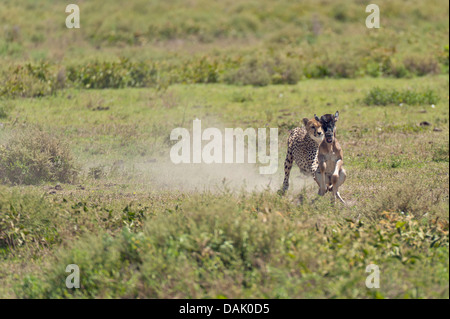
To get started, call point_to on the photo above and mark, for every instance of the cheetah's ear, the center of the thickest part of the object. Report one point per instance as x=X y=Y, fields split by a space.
x=317 y=118
x=305 y=121
x=336 y=116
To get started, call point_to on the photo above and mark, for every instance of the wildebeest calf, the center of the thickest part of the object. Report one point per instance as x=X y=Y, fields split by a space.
x=331 y=173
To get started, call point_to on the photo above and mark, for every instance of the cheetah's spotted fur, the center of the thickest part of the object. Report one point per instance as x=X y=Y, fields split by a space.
x=303 y=148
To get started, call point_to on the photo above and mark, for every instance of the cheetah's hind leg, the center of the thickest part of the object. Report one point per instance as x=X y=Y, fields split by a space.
x=287 y=171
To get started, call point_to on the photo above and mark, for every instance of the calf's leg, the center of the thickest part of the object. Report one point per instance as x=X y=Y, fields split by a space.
x=338 y=178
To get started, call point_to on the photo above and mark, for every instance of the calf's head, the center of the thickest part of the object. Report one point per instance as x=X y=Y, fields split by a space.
x=328 y=122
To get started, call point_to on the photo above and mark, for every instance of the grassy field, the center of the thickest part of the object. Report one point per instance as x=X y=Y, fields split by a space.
x=86 y=178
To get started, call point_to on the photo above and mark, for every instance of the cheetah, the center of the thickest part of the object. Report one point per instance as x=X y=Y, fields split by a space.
x=303 y=148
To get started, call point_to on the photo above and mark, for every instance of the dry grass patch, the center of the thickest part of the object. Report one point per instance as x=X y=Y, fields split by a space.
x=32 y=156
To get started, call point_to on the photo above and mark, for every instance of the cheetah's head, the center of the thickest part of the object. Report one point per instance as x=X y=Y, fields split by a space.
x=314 y=129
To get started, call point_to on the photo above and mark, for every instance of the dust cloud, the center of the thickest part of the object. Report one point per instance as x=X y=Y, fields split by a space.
x=161 y=173
x=216 y=177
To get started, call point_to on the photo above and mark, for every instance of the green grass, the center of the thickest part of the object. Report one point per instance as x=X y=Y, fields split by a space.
x=253 y=42
x=103 y=100
x=134 y=232
x=379 y=96
x=150 y=29
x=227 y=247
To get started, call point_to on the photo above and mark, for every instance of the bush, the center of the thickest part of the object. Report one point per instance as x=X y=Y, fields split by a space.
x=258 y=69
x=221 y=246
x=338 y=68
x=378 y=96
x=421 y=65
x=205 y=242
x=29 y=81
x=250 y=73
x=200 y=70
x=341 y=68
x=32 y=156
x=399 y=70
x=100 y=75
x=263 y=71
x=25 y=219
x=444 y=59
x=105 y=271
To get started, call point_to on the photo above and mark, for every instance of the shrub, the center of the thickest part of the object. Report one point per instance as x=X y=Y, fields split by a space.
x=29 y=81
x=245 y=23
x=102 y=261
x=286 y=71
x=100 y=75
x=210 y=246
x=258 y=69
x=32 y=156
x=262 y=71
x=444 y=59
x=25 y=219
x=200 y=70
x=417 y=202
x=374 y=69
x=206 y=242
x=342 y=68
x=421 y=65
x=316 y=71
x=250 y=73
x=399 y=70
x=378 y=96
x=336 y=68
